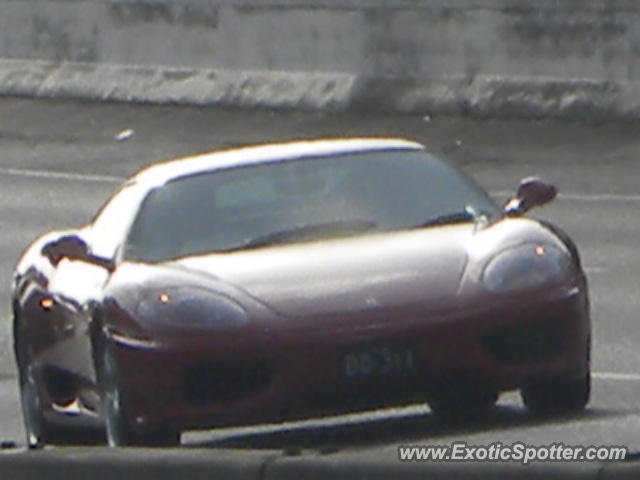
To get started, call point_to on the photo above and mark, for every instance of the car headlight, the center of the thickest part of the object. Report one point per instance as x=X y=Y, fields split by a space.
x=189 y=307
x=526 y=266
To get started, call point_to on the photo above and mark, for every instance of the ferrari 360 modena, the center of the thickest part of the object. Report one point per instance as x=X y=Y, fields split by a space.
x=293 y=280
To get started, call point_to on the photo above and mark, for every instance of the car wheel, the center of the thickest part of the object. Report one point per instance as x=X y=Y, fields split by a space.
x=38 y=430
x=462 y=404
x=113 y=404
x=558 y=395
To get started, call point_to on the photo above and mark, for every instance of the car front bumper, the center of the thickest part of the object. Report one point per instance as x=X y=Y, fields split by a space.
x=287 y=373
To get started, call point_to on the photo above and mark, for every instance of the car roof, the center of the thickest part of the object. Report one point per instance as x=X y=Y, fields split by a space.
x=164 y=172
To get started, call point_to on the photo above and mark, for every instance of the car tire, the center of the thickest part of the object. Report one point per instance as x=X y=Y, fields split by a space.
x=462 y=404
x=38 y=430
x=113 y=407
x=557 y=396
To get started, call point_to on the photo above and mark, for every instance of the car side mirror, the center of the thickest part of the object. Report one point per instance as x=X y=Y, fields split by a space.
x=74 y=248
x=532 y=192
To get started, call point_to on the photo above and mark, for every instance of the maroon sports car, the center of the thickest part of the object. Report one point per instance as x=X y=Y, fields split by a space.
x=292 y=280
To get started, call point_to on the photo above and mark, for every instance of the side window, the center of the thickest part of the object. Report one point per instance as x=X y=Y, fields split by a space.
x=110 y=226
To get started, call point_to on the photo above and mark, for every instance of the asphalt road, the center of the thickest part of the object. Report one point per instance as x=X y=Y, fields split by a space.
x=60 y=160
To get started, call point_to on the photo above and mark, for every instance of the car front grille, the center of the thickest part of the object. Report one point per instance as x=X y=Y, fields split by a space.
x=221 y=382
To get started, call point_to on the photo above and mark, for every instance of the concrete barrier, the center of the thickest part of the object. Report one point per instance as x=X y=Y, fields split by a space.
x=196 y=464
x=132 y=464
x=505 y=57
x=378 y=466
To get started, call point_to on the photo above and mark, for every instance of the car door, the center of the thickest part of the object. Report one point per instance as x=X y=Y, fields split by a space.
x=75 y=288
x=36 y=317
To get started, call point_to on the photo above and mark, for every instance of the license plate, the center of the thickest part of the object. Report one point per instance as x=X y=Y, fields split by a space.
x=378 y=361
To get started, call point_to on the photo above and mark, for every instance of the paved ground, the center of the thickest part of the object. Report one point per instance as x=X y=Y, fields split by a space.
x=60 y=160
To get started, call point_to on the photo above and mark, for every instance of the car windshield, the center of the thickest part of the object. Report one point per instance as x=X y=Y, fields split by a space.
x=302 y=200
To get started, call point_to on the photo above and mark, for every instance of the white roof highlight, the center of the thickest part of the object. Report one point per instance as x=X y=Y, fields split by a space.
x=161 y=173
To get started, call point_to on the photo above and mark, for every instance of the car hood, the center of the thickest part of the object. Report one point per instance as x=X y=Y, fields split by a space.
x=350 y=274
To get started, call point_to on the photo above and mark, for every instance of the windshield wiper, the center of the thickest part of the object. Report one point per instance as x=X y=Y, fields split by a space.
x=467 y=215
x=318 y=231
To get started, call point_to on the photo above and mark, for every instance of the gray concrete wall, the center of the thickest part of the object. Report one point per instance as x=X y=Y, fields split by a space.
x=521 y=57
